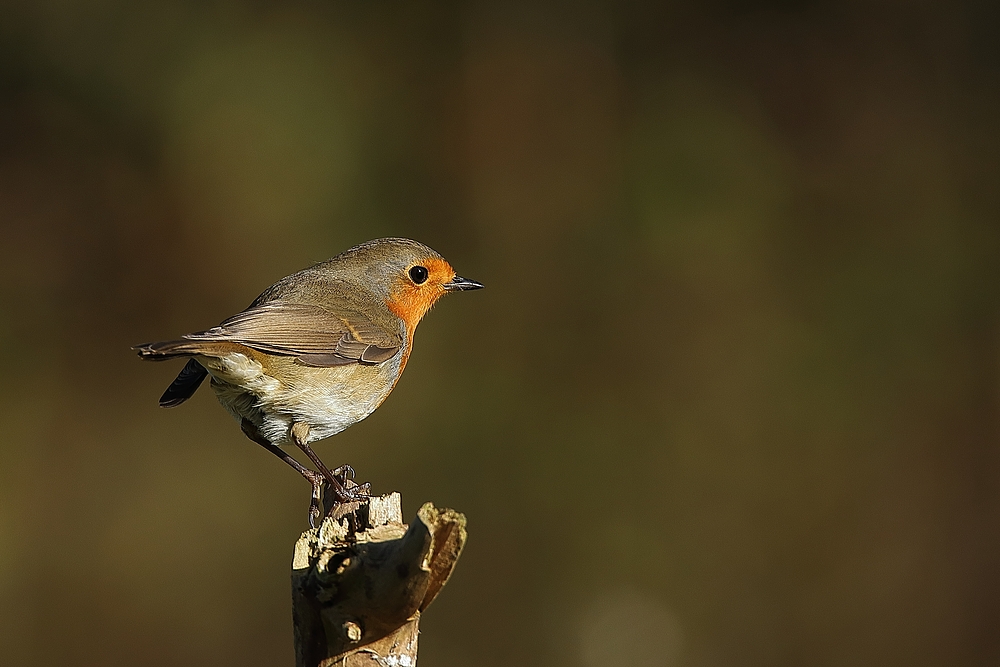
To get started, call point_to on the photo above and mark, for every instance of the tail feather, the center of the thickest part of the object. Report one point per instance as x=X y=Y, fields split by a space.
x=183 y=388
x=169 y=349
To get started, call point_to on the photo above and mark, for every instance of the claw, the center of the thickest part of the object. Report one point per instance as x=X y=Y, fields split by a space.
x=314 y=510
x=343 y=473
x=315 y=497
x=354 y=494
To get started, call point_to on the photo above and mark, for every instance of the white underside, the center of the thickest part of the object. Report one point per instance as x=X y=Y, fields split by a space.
x=334 y=399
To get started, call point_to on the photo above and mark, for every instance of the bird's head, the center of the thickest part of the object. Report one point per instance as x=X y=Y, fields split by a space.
x=408 y=276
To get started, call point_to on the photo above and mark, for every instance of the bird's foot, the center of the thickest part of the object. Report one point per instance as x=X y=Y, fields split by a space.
x=315 y=499
x=343 y=473
x=349 y=492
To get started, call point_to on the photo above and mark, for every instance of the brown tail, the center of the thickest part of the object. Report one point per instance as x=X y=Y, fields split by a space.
x=170 y=349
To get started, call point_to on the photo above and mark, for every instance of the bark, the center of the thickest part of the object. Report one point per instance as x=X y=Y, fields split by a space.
x=361 y=580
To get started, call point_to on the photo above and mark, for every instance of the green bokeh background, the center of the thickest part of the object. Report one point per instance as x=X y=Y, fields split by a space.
x=731 y=396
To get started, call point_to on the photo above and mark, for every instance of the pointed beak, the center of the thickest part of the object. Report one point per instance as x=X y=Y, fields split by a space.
x=460 y=284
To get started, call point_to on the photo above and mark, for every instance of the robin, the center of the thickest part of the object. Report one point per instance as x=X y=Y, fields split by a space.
x=317 y=351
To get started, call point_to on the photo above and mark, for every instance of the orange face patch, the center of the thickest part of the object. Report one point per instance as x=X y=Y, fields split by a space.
x=410 y=301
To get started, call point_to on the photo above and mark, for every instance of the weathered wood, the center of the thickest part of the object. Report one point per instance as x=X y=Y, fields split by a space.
x=361 y=580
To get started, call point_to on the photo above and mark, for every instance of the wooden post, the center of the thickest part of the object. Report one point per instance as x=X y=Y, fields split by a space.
x=361 y=580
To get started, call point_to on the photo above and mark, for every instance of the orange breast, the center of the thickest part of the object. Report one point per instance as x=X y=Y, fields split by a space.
x=411 y=302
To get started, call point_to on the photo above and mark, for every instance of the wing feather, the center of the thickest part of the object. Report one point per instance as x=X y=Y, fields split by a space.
x=316 y=336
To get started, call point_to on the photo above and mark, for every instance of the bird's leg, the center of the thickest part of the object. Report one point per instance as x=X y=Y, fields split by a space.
x=338 y=483
x=314 y=478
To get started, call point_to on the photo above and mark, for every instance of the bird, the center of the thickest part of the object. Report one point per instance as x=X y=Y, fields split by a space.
x=316 y=352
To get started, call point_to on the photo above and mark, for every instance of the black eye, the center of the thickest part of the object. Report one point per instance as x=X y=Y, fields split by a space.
x=418 y=274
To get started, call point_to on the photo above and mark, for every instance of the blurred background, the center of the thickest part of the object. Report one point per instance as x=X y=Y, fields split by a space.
x=730 y=397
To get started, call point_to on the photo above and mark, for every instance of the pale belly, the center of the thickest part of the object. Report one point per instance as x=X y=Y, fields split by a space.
x=327 y=399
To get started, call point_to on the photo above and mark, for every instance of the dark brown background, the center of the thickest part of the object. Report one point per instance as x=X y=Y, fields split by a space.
x=730 y=398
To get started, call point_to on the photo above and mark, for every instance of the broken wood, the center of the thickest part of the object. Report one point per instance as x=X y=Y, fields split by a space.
x=362 y=578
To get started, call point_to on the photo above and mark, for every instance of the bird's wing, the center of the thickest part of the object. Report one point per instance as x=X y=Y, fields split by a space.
x=314 y=335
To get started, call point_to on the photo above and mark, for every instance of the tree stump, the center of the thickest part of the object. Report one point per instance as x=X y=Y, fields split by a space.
x=361 y=579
